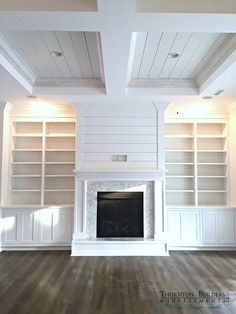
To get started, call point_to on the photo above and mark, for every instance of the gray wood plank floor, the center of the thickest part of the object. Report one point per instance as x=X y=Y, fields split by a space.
x=54 y=282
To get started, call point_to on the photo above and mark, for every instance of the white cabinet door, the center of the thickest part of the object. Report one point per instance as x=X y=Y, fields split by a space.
x=209 y=227
x=62 y=227
x=219 y=227
x=55 y=226
x=226 y=227
x=183 y=227
x=174 y=227
x=190 y=227
x=9 y=225
x=27 y=227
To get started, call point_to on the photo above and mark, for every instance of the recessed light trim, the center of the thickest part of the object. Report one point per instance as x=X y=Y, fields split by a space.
x=173 y=55
x=207 y=97
x=56 y=54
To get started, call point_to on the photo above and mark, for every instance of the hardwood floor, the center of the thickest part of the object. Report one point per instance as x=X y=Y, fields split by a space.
x=54 y=282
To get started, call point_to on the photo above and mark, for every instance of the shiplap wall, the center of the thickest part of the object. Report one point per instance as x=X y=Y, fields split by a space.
x=120 y=130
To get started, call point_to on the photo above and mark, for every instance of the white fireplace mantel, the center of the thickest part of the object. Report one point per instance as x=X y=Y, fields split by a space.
x=123 y=175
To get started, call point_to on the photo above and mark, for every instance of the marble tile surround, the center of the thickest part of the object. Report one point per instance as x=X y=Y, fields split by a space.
x=137 y=186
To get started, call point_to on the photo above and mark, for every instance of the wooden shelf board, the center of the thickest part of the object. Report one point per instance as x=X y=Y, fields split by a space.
x=59 y=150
x=26 y=176
x=33 y=190
x=27 y=150
x=180 y=191
x=179 y=163
x=179 y=176
x=61 y=135
x=59 y=176
x=212 y=191
x=223 y=177
x=211 y=164
x=180 y=150
x=60 y=163
x=178 y=136
x=28 y=135
x=59 y=190
x=26 y=163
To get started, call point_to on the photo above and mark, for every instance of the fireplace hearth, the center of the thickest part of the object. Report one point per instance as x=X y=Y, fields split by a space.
x=120 y=214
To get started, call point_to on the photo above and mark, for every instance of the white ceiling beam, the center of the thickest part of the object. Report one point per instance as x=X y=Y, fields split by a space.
x=15 y=73
x=50 y=21
x=209 y=77
x=183 y=6
x=189 y=22
x=116 y=39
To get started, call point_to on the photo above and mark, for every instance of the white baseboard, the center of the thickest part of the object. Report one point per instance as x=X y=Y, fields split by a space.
x=118 y=248
x=35 y=248
x=202 y=248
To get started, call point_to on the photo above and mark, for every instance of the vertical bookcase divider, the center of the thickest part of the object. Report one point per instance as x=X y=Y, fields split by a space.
x=195 y=165
x=43 y=163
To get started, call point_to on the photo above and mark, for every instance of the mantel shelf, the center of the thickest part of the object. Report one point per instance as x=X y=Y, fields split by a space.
x=124 y=175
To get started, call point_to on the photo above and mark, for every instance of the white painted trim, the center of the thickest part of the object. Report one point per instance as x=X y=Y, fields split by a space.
x=69 y=87
x=163 y=87
x=135 y=175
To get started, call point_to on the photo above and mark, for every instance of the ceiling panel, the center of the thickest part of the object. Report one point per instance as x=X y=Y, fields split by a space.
x=151 y=55
x=80 y=53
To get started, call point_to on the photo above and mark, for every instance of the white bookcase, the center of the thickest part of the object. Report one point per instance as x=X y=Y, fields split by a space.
x=196 y=160
x=42 y=162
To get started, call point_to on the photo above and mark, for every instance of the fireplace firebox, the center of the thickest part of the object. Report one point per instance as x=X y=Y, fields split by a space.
x=120 y=214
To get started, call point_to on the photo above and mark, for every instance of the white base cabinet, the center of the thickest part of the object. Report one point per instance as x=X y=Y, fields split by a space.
x=201 y=228
x=32 y=228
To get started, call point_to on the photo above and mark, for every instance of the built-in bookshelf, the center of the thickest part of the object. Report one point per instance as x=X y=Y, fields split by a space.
x=196 y=161
x=42 y=162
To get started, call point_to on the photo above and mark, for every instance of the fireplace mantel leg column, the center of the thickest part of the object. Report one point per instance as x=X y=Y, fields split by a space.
x=79 y=213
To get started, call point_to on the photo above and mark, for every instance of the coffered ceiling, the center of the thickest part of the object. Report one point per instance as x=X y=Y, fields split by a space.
x=123 y=50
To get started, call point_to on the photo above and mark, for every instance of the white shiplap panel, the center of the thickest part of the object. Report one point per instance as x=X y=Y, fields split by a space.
x=117 y=148
x=193 y=43
x=91 y=42
x=201 y=51
x=166 y=43
x=69 y=54
x=119 y=130
x=138 y=52
x=79 y=43
x=23 y=47
x=120 y=121
x=120 y=139
x=210 y=52
x=151 y=47
x=51 y=42
x=39 y=44
x=178 y=46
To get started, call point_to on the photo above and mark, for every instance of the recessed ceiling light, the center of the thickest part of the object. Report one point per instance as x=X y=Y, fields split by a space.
x=56 y=54
x=207 y=97
x=31 y=96
x=173 y=55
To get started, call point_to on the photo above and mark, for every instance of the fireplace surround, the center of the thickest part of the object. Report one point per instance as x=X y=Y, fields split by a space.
x=89 y=183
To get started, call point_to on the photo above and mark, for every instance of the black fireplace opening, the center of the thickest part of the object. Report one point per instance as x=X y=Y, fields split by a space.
x=120 y=214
